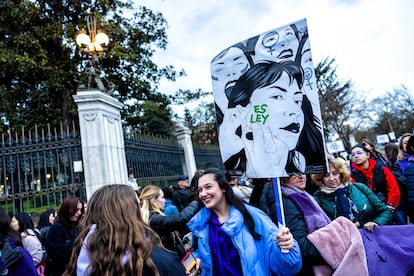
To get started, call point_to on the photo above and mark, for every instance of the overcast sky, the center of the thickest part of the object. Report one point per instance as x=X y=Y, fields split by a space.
x=372 y=40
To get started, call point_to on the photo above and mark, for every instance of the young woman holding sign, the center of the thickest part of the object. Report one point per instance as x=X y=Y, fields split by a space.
x=233 y=238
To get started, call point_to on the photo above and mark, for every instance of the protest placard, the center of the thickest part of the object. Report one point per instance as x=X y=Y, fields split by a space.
x=267 y=105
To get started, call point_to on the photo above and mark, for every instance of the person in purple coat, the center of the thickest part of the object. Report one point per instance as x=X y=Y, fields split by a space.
x=14 y=259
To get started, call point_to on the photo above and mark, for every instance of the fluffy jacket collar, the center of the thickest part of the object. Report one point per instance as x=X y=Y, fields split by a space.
x=315 y=217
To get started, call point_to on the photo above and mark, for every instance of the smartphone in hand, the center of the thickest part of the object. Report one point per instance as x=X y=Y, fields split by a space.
x=189 y=262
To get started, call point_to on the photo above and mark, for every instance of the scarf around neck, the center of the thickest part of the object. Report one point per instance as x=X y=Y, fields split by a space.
x=315 y=217
x=343 y=204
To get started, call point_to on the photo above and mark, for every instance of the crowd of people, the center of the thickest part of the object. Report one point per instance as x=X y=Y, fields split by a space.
x=229 y=226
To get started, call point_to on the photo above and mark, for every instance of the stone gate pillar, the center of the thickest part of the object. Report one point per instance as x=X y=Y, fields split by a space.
x=103 y=150
x=183 y=135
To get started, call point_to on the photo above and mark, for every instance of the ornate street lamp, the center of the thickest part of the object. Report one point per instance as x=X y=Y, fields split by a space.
x=94 y=44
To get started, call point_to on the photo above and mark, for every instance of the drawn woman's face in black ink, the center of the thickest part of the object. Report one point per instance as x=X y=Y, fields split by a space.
x=306 y=56
x=226 y=70
x=307 y=65
x=270 y=39
x=277 y=46
x=279 y=107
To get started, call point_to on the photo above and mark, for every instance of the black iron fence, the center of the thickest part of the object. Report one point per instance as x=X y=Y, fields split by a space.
x=207 y=156
x=154 y=160
x=159 y=161
x=39 y=168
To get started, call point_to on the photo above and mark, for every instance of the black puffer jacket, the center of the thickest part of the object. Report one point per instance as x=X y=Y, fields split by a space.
x=59 y=244
x=165 y=225
x=180 y=198
x=167 y=263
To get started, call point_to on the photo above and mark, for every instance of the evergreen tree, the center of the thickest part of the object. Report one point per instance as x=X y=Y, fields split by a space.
x=41 y=66
x=337 y=101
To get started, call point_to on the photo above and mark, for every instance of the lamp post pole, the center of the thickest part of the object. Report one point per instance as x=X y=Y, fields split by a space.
x=103 y=150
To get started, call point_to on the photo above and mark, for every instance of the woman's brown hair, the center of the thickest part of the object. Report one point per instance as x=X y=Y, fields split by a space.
x=340 y=166
x=120 y=232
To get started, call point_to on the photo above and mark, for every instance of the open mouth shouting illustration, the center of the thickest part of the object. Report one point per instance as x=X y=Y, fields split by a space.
x=229 y=88
x=230 y=84
x=288 y=53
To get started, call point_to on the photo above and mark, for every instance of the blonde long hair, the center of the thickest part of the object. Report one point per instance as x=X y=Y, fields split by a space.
x=147 y=204
x=120 y=232
x=400 y=155
x=340 y=165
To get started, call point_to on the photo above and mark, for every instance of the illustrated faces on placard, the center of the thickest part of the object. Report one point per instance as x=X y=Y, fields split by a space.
x=259 y=88
x=306 y=56
x=225 y=71
x=307 y=65
x=277 y=45
x=279 y=108
x=309 y=85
